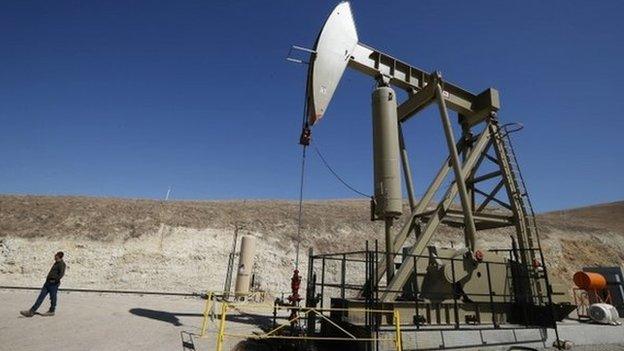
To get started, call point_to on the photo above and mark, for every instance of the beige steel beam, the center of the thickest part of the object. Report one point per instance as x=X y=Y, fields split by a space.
x=402 y=274
x=469 y=231
x=475 y=108
x=407 y=172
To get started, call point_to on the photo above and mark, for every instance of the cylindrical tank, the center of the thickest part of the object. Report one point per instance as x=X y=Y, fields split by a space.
x=388 y=195
x=589 y=281
x=245 y=265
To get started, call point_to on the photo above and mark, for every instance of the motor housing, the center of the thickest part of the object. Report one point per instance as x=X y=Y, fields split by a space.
x=603 y=313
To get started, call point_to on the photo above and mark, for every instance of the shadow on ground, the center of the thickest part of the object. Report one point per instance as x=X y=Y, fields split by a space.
x=251 y=319
x=163 y=316
x=188 y=338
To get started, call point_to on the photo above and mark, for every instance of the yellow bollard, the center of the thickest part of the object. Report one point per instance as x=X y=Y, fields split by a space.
x=397 y=326
x=220 y=335
x=206 y=312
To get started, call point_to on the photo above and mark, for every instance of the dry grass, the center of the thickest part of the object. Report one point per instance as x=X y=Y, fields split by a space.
x=571 y=239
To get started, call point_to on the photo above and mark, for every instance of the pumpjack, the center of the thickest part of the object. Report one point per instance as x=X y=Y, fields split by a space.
x=436 y=285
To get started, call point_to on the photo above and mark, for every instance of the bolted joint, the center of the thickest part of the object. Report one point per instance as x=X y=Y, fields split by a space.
x=493 y=117
x=436 y=78
x=382 y=80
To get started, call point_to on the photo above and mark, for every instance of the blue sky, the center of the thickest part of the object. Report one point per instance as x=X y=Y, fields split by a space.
x=118 y=98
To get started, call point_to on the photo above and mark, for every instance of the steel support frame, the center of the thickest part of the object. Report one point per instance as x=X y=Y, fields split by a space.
x=473 y=152
x=423 y=89
x=474 y=156
x=402 y=274
x=438 y=91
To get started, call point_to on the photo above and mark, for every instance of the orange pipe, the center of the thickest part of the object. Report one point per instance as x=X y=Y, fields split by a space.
x=589 y=281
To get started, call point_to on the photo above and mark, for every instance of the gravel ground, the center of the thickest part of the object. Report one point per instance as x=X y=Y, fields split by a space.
x=94 y=322
x=89 y=321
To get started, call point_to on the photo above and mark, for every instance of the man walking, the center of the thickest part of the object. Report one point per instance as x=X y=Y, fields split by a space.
x=51 y=286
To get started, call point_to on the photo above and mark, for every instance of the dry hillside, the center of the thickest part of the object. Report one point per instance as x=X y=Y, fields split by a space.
x=183 y=245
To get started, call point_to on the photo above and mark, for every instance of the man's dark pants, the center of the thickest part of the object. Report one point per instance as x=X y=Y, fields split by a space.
x=48 y=288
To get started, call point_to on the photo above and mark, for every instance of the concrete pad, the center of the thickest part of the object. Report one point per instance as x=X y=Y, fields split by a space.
x=589 y=334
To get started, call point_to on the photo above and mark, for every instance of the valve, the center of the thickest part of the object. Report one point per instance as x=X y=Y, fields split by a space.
x=478 y=255
x=294 y=298
x=295 y=284
x=537 y=265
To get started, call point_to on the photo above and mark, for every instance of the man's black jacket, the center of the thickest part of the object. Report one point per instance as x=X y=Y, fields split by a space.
x=56 y=272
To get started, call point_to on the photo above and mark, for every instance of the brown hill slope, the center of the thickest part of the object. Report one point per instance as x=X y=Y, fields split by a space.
x=608 y=216
x=118 y=243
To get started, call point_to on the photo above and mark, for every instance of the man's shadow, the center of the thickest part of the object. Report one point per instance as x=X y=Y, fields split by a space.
x=172 y=318
x=163 y=316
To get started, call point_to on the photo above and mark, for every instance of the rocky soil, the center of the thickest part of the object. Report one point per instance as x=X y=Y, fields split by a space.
x=183 y=245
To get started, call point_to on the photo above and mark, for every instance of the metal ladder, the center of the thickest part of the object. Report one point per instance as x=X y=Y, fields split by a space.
x=516 y=174
x=524 y=200
x=529 y=217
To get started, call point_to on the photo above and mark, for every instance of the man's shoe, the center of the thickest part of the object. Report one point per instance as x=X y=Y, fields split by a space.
x=27 y=313
x=48 y=314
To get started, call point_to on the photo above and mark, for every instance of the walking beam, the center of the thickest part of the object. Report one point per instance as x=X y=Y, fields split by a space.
x=412 y=79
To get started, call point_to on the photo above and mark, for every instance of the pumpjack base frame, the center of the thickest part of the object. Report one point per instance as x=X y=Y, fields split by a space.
x=424 y=338
x=434 y=307
x=445 y=315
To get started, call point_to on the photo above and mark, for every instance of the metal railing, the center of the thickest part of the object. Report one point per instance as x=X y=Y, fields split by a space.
x=299 y=316
x=222 y=296
x=351 y=281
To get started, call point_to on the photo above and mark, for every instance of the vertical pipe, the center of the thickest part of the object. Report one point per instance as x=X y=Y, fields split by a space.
x=416 y=289
x=367 y=305
x=322 y=280
x=407 y=172
x=311 y=281
x=311 y=292
x=275 y=312
x=343 y=271
x=389 y=251
x=230 y=267
x=376 y=281
x=470 y=229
